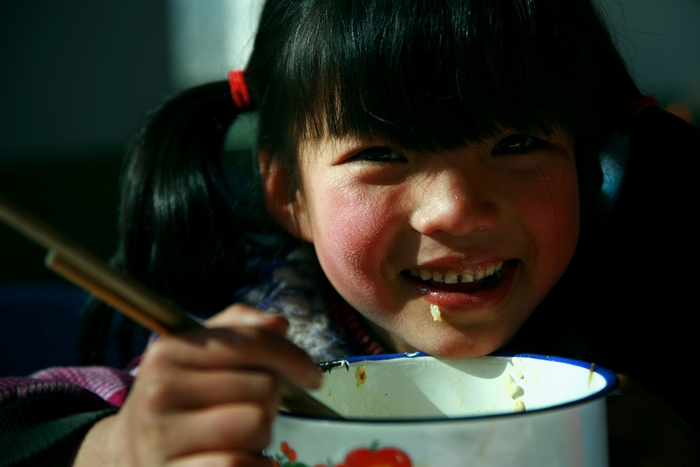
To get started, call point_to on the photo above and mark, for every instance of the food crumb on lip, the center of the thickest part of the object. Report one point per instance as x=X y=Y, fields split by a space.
x=435 y=311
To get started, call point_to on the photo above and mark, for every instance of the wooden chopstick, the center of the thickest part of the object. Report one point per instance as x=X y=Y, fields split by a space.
x=124 y=294
x=150 y=308
x=62 y=266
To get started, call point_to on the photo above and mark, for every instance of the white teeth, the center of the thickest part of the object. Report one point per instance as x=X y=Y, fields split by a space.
x=467 y=277
x=452 y=277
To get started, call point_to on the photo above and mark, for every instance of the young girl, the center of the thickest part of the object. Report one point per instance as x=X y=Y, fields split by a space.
x=434 y=168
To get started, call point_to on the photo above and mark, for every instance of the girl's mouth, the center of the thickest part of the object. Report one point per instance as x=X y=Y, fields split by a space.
x=464 y=282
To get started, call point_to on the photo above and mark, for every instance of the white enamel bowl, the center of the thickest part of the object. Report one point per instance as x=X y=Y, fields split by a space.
x=415 y=410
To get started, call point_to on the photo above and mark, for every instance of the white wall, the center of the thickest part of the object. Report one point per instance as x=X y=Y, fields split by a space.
x=210 y=37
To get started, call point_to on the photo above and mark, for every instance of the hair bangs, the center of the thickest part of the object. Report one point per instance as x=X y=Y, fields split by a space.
x=433 y=74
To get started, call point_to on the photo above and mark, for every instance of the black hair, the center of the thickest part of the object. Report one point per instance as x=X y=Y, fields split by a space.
x=180 y=233
x=423 y=74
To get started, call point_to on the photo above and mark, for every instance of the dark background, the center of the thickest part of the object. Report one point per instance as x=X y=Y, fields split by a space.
x=77 y=79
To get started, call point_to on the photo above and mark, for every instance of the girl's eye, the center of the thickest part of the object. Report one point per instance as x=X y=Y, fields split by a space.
x=378 y=154
x=516 y=143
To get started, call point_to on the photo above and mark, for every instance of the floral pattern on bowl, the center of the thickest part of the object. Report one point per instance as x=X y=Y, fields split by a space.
x=372 y=456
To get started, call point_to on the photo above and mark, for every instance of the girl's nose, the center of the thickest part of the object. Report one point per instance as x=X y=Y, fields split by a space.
x=453 y=204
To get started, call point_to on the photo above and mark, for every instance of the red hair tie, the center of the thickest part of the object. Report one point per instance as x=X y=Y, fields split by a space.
x=239 y=90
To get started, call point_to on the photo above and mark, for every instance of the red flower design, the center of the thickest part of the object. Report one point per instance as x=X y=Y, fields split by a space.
x=384 y=457
x=288 y=451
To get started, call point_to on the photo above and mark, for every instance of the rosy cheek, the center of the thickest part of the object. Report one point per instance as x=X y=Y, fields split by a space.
x=348 y=240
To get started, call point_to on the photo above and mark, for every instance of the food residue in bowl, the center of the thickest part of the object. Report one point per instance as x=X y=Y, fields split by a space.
x=435 y=311
x=591 y=372
x=515 y=392
x=360 y=375
x=512 y=388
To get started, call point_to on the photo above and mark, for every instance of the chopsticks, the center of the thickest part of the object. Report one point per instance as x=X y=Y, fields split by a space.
x=126 y=295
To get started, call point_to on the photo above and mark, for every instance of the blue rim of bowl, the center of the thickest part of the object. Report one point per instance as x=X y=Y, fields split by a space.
x=609 y=389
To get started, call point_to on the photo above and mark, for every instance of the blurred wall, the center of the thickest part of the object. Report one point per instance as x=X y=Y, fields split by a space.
x=210 y=37
x=79 y=74
x=77 y=78
x=660 y=40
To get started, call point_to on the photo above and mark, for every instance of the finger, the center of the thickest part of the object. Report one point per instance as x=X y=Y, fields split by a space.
x=242 y=347
x=223 y=428
x=243 y=315
x=194 y=389
x=224 y=459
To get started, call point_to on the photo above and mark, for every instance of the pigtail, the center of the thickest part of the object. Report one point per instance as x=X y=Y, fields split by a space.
x=180 y=236
x=178 y=233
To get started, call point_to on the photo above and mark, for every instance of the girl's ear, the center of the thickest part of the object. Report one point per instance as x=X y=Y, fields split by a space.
x=286 y=209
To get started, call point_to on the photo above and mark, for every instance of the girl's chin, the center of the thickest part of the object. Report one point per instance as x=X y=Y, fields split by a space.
x=445 y=342
x=458 y=352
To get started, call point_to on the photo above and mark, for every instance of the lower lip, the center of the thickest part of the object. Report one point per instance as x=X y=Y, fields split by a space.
x=473 y=301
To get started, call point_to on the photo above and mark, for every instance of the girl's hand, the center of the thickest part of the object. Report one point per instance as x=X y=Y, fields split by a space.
x=205 y=397
x=645 y=430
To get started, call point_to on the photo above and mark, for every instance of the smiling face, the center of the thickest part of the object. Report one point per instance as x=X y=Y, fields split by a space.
x=483 y=232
